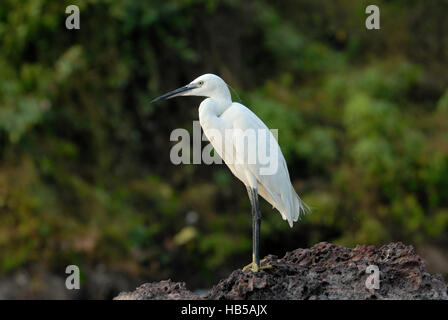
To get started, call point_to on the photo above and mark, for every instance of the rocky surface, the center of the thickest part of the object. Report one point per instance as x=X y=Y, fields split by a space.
x=325 y=271
x=163 y=290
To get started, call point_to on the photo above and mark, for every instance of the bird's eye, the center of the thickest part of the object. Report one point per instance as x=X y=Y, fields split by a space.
x=200 y=83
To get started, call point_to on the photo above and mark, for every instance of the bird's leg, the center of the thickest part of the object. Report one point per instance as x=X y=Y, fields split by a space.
x=256 y=224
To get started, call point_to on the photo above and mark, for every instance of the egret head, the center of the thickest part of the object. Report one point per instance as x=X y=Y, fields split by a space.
x=207 y=85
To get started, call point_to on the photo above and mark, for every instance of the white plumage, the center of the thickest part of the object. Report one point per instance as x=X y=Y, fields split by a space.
x=223 y=122
x=276 y=188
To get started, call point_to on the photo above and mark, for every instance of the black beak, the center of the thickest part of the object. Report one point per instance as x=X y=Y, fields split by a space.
x=173 y=93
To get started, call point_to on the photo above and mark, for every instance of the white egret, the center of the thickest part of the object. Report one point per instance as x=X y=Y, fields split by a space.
x=218 y=114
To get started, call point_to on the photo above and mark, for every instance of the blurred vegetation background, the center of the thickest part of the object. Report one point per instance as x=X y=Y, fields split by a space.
x=85 y=175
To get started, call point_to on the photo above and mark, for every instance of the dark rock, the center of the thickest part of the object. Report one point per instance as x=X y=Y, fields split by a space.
x=325 y=271
x=163 y=290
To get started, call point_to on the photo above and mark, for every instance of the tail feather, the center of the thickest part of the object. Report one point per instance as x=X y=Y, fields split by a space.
x=290 y=206
x=301 y=208
x=293 y=207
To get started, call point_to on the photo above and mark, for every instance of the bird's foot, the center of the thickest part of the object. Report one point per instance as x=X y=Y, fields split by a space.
x=255 y=267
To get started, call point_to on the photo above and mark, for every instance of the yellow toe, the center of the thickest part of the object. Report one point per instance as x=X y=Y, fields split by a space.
x=255 y=267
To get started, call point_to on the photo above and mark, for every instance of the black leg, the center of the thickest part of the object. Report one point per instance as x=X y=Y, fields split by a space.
x=256 y=224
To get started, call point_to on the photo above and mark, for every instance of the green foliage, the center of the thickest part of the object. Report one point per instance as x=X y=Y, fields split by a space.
x=442 y=104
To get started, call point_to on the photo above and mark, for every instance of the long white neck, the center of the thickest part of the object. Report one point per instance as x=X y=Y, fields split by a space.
x=222 y=95
x=222 y=100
